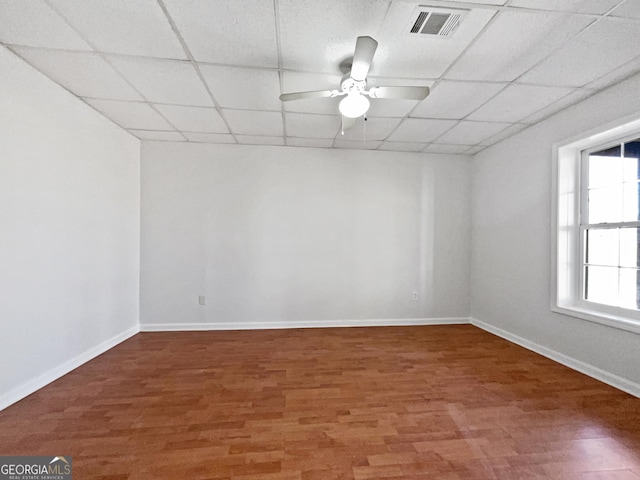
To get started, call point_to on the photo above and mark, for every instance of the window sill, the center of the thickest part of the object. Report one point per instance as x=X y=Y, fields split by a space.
x=603 y=318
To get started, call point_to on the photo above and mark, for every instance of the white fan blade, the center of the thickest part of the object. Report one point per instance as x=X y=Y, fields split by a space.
x=347 y=123
x=403 y=93
x=285 y=97
x=362 y=57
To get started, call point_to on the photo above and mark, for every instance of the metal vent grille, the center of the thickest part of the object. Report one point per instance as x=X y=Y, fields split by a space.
x=435 y=23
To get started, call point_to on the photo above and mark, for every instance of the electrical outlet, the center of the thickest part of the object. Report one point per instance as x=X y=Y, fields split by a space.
x=415 y=296
x=202 y=300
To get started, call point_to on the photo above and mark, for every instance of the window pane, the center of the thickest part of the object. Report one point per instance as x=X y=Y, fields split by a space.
x=601 y=285
x=629 y=247
x=631 y=160
x=631 y=196
x=605 y=204
x=602 y=247
x=605 y=167
x=628 y=296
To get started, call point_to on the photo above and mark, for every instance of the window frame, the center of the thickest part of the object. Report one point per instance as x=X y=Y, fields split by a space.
x=569 y=173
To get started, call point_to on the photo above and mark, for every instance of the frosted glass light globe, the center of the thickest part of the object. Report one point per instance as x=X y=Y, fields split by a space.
x=354 y=105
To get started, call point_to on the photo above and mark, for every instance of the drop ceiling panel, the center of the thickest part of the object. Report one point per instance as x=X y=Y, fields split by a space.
x=603 y=47
x=420 y=129
x=614 y=76
x=309 y=142
x=312 y=126
x=35 y=24
x=157 y=135
x=318 y=36
x=357 y=145
x=402 y=146
x=194 y=119
x=565 y=102
x=248 y=122
x=164 y=81
x=580 y=6
x=422 y=56
x=210 y=137
x=258 y=140
x=247 y=88
x=123 y=26
x=372 y=129
x=513 y=43
x=444 y=148
x=456 y=99
x=506 y=133
x=629 y=9
x=469 y=133
x=228 y=32
x=131 y=114
x=518 y=101
x=85 y=74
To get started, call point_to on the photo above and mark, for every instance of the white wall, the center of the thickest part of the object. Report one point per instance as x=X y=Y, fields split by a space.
x=283 y=236
x=511 y=254
x=69 y=231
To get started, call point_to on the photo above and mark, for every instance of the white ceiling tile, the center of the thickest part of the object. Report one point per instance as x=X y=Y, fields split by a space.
x=164 y=81
x=402 y=146
x=518 y=101
x=629 y=9
x=563 y=103
x=246 y=88
x=33 y=23
x=123 y=26
x=312 y=126
x=420 y=56
x=357 y=145
x=579 y=6
x=258 y=140
x=194 y=119
x=420 y=129
x=310 y=142
x=304 y=82
x=470 y=133
x=513 y=43
x=506 y=133
x=130 y=114
x=83 y=73
x=318 y=36
x=603 y=47
x=233 y=33
x=456 y=99
x=210 y=137
x=474 y=150
x=253 y=122
x=444 y=148
x=158 y=135
x=373 y=129
x=630 y=68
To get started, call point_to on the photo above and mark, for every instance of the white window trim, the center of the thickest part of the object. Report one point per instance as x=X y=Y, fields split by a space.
x=566 y=297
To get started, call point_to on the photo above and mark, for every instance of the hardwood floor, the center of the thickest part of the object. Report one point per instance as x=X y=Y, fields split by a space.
x=437 y=402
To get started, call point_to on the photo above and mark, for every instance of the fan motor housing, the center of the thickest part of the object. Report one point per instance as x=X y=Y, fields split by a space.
x=349 y=85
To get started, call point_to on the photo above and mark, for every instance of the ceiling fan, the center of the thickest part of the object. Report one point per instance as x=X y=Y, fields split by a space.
x=353 y=84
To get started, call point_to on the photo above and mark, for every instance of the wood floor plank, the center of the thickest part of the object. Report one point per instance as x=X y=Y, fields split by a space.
x=436 y=402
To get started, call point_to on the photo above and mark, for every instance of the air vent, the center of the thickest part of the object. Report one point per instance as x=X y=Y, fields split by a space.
x=435 y=22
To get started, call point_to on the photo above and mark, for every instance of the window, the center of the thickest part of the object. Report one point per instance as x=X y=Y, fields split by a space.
x=597 y=227
x=610 y=226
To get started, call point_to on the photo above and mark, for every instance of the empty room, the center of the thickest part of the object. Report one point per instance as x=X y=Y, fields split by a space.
x=340 y=239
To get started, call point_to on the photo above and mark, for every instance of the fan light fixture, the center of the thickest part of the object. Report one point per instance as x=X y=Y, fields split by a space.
x=354 y=105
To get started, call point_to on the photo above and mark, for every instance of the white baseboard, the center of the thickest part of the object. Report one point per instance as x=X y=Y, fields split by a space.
x=594 y=372
x=27 y=388
x=388 y=322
